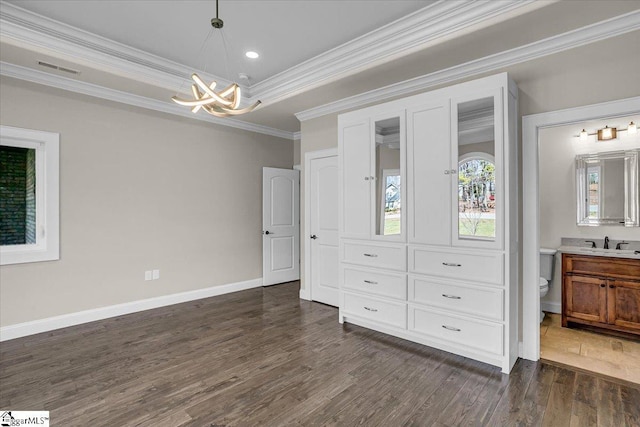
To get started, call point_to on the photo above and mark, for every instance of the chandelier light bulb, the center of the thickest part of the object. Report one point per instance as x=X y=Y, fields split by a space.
x=632 y=128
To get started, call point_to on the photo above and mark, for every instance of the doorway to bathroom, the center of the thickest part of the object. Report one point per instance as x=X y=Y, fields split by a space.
x=551 y=144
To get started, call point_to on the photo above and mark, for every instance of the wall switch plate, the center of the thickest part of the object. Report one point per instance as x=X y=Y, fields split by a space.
x=156 y=274
x=148 y=275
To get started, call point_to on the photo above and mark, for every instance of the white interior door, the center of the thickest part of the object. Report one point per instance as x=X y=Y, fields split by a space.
x=323 y=229
x=280 y=225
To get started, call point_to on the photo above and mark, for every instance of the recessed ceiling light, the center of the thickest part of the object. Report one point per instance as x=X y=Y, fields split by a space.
x=252 y=55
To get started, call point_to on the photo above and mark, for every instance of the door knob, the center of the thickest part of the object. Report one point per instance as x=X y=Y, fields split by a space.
x=267 y=232
x=313 y=236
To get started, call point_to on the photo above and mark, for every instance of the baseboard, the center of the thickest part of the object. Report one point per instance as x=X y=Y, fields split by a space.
x=51 y=323
x=304 y=294
x=551 y=307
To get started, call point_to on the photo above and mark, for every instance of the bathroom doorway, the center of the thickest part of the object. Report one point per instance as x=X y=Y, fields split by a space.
x=561 y=177
x=548 y=216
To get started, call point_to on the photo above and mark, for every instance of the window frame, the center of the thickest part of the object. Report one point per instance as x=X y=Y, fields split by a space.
x=47 y=146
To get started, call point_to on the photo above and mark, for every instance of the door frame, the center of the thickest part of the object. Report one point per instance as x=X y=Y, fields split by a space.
x=305 y=292
x=531 y=126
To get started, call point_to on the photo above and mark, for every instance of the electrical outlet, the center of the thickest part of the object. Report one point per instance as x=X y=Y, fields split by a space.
x=148 y=275
x=156 y=274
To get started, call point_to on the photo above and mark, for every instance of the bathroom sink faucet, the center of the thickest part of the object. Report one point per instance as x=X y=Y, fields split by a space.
x=606 y=242
x=619 y=245
x=593 y=244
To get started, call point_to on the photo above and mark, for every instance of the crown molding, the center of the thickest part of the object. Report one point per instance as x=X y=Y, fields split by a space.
x=399 y=38
x=30 y=30
x=84 y=88
x=579 y=37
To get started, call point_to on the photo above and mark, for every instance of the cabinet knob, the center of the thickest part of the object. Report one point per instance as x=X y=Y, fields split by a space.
x=611 y=286
x=603 y=286
x=366 y=178
x=447 y=172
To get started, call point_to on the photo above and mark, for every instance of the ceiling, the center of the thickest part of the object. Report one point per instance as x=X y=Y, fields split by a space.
x=313 y=52
x=285 y=33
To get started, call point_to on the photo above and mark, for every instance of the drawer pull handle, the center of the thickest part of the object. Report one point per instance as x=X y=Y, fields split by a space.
x=371 y=255
x=371 y=282
x=451 y=264
x=451 y=328
x=451 y=296
x=370 y=309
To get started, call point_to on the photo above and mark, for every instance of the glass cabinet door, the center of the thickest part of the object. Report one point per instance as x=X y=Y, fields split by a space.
x=477 y=149
x=387 y=184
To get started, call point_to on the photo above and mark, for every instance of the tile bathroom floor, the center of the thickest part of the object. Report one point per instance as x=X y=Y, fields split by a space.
x=605 y=354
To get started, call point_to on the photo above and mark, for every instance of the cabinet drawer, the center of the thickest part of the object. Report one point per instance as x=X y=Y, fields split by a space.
x=600 y=266
x=477 y=266
x=485 y=336
x=393 y=285
x=381 y=256
x=391 y=313
x=485 y=302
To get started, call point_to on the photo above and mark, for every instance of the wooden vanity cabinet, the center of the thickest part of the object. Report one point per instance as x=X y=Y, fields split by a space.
x=602 y=292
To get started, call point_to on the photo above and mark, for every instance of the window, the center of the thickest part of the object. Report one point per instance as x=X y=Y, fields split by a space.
x=477 y=196
x=390 y=208
x=29 y=182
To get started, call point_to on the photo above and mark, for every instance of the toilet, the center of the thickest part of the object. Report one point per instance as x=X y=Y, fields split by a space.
x=547 y=262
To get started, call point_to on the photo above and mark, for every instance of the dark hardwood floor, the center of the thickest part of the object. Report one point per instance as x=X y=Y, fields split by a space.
x=264 y=357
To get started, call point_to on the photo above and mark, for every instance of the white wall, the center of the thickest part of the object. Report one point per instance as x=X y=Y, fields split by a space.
x=558 y=149
x=139 y=190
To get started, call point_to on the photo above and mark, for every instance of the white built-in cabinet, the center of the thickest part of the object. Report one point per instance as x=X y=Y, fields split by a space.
x=428 y=219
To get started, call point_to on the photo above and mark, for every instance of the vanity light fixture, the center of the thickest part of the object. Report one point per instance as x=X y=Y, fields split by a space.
x=224 y=103
x=607 y=133
x=584 y=135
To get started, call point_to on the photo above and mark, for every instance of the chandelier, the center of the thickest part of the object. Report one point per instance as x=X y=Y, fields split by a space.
x=224 y=103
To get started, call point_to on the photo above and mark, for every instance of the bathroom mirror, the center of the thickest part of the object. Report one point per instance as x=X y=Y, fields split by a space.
x=607 y=188
x=388 y=182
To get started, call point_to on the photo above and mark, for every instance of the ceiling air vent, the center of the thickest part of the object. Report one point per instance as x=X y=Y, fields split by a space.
x=56 y=67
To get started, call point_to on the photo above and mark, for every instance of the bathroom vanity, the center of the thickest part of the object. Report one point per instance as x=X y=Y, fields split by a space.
x=601 y=291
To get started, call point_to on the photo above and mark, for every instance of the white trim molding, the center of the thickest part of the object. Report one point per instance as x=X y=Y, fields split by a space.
x=582 y=36
x=49 y=324
x=90 y=89
x=531 y=126
x=33 y=31
x=392 y=41
x=399 y=38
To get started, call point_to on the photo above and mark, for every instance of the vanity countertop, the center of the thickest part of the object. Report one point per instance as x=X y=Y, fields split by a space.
x=613 y=253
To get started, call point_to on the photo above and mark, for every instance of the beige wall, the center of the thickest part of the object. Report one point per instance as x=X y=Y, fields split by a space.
x=558 y=149
x=139 y=190
x=296 y=152
x=590 y=74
